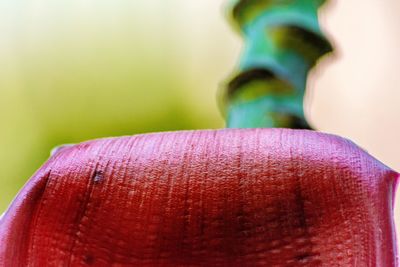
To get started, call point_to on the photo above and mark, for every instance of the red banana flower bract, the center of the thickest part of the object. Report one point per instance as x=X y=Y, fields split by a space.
x=254 y=197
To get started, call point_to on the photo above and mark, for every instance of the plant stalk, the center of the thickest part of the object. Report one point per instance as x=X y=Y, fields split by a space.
x=282 y=42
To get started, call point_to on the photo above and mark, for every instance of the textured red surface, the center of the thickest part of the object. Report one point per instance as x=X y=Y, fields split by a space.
x=268 y=197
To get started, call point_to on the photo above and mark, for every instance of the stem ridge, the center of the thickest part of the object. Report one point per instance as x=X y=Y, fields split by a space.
x=282 y=42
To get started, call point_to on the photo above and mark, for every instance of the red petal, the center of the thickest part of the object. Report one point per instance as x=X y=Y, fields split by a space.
x=268 y=197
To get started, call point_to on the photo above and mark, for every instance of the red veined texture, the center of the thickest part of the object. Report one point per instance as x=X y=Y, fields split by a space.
x=254 y=197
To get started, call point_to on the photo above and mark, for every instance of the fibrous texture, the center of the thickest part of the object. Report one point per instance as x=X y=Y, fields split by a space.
x=260 y=197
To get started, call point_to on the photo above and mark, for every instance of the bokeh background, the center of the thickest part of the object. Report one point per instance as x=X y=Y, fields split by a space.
x=76 y=70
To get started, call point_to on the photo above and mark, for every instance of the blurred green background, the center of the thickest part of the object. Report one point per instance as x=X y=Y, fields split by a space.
x=72 y=70
x=77 y=70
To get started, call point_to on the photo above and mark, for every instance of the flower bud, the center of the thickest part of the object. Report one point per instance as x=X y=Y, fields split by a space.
x=250 y=197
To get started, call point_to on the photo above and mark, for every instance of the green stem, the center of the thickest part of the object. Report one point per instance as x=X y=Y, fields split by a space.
x=283 y=41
